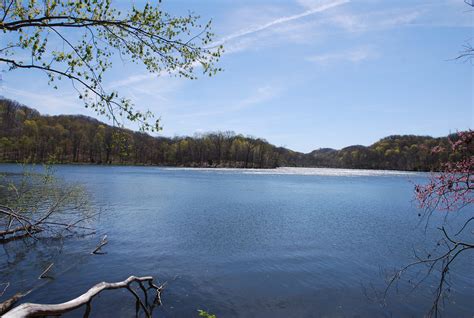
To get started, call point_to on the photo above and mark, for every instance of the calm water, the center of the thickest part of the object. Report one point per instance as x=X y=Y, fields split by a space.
x=246 y=243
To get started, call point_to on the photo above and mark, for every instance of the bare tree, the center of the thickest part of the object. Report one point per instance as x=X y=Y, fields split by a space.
x=35 y=203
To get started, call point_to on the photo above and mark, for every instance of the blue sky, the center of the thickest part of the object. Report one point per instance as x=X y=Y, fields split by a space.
x=304 y=74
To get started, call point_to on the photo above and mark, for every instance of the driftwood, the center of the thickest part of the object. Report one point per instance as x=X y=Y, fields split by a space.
x=35 y=310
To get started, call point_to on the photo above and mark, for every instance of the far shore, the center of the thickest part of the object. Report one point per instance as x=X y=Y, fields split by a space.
x=281 y=170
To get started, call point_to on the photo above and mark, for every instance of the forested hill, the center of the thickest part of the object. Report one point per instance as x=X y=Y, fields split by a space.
x=26 y=135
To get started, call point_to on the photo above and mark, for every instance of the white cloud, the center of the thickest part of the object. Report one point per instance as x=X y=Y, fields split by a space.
x=355 y=55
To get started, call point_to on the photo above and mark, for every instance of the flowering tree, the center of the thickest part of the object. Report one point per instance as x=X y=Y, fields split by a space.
x=451 y=189
x=448 y=191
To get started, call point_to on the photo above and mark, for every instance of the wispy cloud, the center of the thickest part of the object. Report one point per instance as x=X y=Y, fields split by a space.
x=365 y=16
x=146 y=76
x=355 y=55
x=132 y=79
x=377 y=18
x=294 y=29
x=260 y=96
x=290 y=27
x=374 y=21
x=258 y=28
x=232 y=45
x=311 y=4
x=49 y=103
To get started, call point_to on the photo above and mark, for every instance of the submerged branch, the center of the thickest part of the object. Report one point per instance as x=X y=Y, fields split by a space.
x=102 y=243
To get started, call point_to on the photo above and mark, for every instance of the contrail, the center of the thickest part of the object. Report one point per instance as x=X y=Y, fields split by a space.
x=278 y=21
x=320 y=8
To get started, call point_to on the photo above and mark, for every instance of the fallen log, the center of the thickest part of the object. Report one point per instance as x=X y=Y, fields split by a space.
x=35 y=310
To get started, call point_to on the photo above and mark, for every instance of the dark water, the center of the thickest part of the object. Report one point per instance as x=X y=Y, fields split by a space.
x=284 y=243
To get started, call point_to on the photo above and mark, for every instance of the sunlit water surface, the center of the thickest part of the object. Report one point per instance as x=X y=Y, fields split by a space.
x=289 y=242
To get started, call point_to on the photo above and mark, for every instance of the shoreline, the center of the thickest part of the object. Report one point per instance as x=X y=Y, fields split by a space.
x=277 y=170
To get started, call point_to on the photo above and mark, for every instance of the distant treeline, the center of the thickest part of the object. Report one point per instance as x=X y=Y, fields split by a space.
x=26 y=135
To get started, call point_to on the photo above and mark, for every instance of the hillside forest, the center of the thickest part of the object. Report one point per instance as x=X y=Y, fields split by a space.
x=28 y=136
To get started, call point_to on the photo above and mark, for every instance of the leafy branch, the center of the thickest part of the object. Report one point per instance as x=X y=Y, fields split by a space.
x=77 y=40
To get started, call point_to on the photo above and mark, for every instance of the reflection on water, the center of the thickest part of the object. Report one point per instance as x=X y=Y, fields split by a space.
x=304 y=171
x=249 y=243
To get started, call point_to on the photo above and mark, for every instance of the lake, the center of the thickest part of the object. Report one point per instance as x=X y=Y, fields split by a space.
x=290 y=242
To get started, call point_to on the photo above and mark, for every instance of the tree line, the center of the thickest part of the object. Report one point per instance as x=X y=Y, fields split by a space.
x=408 y=152
x=26 y=135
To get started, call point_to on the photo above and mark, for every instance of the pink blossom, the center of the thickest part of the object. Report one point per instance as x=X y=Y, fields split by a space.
x=451 y=188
